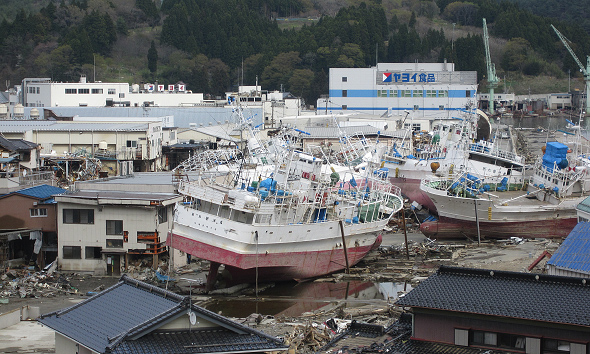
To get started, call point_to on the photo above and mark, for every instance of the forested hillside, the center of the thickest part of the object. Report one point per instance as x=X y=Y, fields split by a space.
x=289 y=45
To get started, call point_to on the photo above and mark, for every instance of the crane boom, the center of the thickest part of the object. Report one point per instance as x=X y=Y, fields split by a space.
x=492 y=78
x=584 y=70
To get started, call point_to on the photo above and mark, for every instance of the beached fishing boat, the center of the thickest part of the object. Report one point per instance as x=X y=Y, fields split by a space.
x=453 y=145
x=286 y=220
x=543 y=205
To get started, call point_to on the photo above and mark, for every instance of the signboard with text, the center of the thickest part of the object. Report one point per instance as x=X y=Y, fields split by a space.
x=426 y=78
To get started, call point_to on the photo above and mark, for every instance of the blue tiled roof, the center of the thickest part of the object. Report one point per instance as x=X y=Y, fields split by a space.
x=574 y=252
x=43 y=191
x=125 y=317
x=497 y=293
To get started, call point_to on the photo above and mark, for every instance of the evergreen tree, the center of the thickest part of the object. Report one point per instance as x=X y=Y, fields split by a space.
x=152 y=57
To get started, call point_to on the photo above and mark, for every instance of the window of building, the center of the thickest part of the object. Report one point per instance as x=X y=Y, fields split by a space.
x=407 y=93
x=344 y=107
x=84 y=90
x=415 y=126
x=121 y=95
x=484 y=338
x=344 y=79
x=441 y=107
x=418 y=93
x=502 y=340
x=114 y=243
x=131 y=143
x=162 y=215
x=97 y=90
x=582 y=219
x=381 y=93
x=72 y=252
x=555 y=346
x=40 y=212
x=93 y=252
x=416 y=107
x=344 y=93
x=430 y=93
x=71 y=91
x=78 y=216
x=114 y=227
x=443 y=93
x=111 y=91
x=468 y=93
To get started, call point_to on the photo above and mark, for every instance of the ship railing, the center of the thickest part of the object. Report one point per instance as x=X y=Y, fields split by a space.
x=491 y=151
x=563 y=179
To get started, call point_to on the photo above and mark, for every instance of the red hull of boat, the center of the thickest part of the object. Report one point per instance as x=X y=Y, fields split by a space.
x=447 y=228
x=276 y=266
x=410 y=187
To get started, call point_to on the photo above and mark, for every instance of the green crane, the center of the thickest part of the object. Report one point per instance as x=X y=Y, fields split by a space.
x=585 y=71
x=492 y=78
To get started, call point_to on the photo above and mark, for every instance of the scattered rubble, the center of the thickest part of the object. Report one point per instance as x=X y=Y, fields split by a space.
x=23 y=283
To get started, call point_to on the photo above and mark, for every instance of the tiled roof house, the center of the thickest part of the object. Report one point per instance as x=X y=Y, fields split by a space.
x=499 y=310
x=133 y=317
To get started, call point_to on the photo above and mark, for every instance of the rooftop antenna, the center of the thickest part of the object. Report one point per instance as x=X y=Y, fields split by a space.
x=191 y=314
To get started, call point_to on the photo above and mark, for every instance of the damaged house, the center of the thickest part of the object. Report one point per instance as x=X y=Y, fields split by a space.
x=28 y=227
x=18 y=159
x=105 y=224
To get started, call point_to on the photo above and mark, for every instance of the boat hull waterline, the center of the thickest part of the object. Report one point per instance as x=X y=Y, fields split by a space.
x=449 y=228
x=282 y=252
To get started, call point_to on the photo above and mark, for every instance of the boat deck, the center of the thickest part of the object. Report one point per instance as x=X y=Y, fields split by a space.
x=510 y=195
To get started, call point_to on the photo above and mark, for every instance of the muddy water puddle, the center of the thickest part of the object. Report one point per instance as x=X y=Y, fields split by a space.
x=292 y=299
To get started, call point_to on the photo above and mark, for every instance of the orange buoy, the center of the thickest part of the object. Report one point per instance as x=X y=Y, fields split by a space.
x=434 y=166
x=543 y=148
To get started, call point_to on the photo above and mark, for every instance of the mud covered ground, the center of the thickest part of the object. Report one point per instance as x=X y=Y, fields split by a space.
x=308 y=331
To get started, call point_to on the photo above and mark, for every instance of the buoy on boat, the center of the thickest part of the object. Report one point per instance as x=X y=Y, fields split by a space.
x=434 y=166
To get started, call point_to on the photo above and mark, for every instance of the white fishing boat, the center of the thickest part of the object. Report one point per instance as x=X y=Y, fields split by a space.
x=540 y=206
x=286 y=220
x=453 y=145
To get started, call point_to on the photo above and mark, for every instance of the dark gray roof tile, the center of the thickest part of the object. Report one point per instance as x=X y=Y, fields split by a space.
x=125 y=317
x=529 y=296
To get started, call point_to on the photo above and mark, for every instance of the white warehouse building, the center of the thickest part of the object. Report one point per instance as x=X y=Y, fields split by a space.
x=42 y=92
x=430 y=91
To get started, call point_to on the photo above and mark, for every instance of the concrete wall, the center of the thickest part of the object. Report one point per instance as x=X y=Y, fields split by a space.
x=24 y=313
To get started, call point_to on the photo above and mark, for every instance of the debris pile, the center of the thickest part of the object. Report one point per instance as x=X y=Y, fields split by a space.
x=23 y=283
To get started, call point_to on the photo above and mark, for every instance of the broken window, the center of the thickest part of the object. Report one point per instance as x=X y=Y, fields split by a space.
x=162 y=215
x=114 y=243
